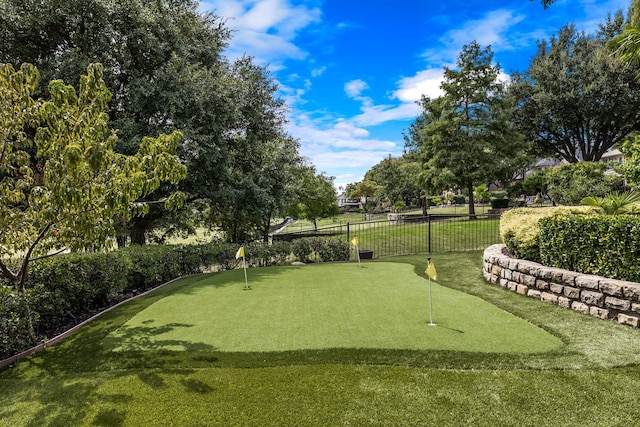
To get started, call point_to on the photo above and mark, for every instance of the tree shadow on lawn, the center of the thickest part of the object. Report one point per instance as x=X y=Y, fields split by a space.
x=64 y=382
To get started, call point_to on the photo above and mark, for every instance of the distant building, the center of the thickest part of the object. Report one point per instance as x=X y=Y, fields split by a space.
x=613 y=156
x=344 y=202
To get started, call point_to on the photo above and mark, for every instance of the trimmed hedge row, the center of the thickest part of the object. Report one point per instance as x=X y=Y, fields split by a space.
x=520 y=230
x=65 y=289
x=603 y=245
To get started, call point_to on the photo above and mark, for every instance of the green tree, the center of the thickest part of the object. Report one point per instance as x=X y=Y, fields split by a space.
x=397 y=180
x=576 y=101
x=164 y=60
x=365 y=188
x=631 y=168
x=626 y=45
x=61 y=183
x=537 y=184
x=260 y=156
x=569 y=184
x=466 y=135
x=315 y=196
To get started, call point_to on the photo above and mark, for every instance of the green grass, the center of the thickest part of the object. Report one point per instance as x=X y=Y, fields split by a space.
x=375 y=306
x=591 y=379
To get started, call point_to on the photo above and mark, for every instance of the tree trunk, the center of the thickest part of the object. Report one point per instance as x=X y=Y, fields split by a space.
x=121 y=239
x=137 y=234
x=472 y=207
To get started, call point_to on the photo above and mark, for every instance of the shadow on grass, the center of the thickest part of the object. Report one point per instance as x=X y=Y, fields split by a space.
x=61 y=385
x=140 y=338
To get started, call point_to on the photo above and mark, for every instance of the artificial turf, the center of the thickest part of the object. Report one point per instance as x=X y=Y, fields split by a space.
x=590 y=380
x=376 y=306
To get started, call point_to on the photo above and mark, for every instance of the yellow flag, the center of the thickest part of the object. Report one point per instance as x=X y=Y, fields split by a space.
x=354 y=241
x=431 y=270
x=240 y=252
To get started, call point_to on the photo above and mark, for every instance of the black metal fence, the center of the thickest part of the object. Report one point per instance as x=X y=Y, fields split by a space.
x=414 y=235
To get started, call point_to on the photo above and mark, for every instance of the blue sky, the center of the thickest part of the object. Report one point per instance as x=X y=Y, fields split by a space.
x=351 y=70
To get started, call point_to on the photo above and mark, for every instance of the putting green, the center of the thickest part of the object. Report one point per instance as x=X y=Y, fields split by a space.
x=378 y=305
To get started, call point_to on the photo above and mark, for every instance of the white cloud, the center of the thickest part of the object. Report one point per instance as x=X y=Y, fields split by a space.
x=489 y=30
x=373 y=115
x=354 y=88
x=426 y=82
x=318 y=71
x=265 y=29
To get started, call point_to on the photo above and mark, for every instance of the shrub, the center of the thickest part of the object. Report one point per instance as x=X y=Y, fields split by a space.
x=499 y=199
x=569 y=184
x=520 y=231
x=499 y=203
x=607 y=246
x=302 y=249
x=14 y=329
x=323 y=249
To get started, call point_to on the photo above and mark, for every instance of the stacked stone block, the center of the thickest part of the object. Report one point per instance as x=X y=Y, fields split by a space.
x=598 y=296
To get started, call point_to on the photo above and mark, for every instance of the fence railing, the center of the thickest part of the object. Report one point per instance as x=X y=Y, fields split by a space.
x=427 y=234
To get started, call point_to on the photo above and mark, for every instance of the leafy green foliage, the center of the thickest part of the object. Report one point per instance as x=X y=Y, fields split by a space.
x=605 y=245
x=520 y=229
x=631 y=168
x=315 y=196
x=164 y=63
x=614 y=203
x=576 y=100
x=395 y=179
x=569 y=184
x=467 y=134
x=311 y=249
x=61 y=183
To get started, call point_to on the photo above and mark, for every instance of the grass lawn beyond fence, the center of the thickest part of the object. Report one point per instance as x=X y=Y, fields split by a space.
x=359 y=352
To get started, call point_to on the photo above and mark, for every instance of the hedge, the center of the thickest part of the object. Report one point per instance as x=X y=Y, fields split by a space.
x=520 y=231
x=603 y=245
x=67 y=288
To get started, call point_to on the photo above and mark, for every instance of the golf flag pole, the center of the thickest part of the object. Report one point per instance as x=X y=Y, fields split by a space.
x=432 y=274
x=239 y=254
x=354 y=242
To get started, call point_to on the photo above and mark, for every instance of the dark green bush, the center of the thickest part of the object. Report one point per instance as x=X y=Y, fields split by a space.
x=323 y=249
x=302 y=249
x=499 y=203
x=604 y=245
x=14 y=328
x=330 y=249
x=459 y=199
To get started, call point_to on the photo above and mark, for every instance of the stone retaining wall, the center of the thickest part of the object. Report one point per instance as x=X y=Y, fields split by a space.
x=598 y=296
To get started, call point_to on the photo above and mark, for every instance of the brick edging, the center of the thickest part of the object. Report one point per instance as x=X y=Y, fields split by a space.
x=598 y=296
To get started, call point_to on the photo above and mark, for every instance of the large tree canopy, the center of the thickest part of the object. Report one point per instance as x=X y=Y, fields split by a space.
x=576 y=101
x=164 y=62
x=466 y=134
x=315 y=196
x=61 y=184
x=397 y=179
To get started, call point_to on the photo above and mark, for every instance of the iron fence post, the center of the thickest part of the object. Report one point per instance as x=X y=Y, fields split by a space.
x=428 y=233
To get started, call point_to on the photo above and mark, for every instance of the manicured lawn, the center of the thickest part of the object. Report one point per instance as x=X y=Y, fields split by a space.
x=375 y=305
x=587 y=375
